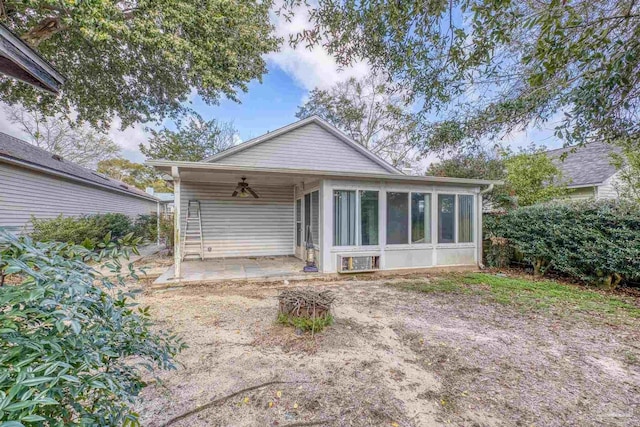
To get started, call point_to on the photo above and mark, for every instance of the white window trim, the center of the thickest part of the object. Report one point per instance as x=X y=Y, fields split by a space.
x=412 y=245
x=434 y=223
x=456 y=243
x=358 y=244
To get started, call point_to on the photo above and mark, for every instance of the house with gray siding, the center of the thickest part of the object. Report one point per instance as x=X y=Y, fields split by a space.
x=308 y=189
x=33 y=182
x=587 y=170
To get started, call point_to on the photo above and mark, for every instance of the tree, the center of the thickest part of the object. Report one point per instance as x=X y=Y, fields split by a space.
x=531 y=177
x=486 y=68
x=136 y=174
x=628 y=179
x=78 y=144
x=140 y=60
x=372 y=112
x=194 y=142
x=476 y=164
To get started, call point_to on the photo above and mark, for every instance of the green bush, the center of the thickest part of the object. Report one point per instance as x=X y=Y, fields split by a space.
x=85 y=230
x=146 y=227
x=118 y=224
x=73 y=345
x=595 y=241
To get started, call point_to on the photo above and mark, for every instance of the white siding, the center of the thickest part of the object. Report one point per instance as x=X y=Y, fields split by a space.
x=609 y=188
x=236 y=227
x=307 y=147
x=581 y=193
x=24 y=193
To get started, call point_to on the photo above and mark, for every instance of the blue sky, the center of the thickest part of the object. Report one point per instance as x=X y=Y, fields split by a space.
x=265 y=107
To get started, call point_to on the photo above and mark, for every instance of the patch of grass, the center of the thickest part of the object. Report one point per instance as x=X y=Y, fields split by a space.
x=306 y=324
x=528 y=294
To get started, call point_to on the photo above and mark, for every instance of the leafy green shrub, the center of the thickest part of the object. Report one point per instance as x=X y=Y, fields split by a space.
x=595 y=241
x=73 y=345
x=167 y=232
x=309 y=324
x=146 y=227
x=75 y=230
x=118 y=224
x=85 y=230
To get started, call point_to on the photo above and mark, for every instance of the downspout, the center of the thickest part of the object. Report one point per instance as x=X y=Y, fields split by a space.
x=480 y=241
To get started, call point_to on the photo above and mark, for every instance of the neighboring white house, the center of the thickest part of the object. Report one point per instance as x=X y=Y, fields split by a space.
x=35 y=182
x=587 y=170
x=362 y=212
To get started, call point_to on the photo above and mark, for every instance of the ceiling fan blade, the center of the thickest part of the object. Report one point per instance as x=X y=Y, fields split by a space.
x=235 y=193
x=253 y=193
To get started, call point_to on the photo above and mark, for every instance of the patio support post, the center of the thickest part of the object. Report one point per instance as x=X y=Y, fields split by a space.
x=177 y=223
x=158 y=222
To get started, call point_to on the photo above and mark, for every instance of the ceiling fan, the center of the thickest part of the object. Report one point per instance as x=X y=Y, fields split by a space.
x=243 y=190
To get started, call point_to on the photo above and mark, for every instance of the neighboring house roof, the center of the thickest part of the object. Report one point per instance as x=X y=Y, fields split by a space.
x=165 y=197
x=296 y=125
x=21 y=153
x=22 y=62
x=588 y=165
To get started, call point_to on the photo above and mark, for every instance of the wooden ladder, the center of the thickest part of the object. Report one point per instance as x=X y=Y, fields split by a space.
x=192 y=242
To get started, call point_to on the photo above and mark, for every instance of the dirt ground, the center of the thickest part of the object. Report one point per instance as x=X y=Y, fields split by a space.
x=392 y=358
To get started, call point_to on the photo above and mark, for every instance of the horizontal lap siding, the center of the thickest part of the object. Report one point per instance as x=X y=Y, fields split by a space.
x=24 y=193
x=234 y=227
x=308 y=147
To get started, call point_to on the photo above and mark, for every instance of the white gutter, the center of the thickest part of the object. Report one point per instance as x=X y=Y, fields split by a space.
x=488 y=189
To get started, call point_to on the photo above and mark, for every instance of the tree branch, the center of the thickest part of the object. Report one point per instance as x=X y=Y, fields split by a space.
x=44 y=30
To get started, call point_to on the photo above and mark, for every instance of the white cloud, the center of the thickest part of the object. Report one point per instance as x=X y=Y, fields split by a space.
x=310 y=68
x=128 y=139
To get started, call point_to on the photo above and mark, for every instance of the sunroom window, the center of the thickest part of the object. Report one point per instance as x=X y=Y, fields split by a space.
x=344 y=218
x=420 y=218
x=465 y=219
x=397 y=218
x=368 y=218
x=446 y=218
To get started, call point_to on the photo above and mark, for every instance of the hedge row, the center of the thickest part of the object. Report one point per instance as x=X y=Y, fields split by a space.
x=597 y=242
x=90 y=229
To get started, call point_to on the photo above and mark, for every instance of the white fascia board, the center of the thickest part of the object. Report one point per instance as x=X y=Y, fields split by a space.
x=203 y=166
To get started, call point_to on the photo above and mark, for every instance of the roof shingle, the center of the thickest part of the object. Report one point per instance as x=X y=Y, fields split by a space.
x=16 y=149
x=587 y=165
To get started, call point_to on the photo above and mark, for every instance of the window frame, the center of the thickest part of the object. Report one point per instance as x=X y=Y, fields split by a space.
x=358 y=217
x=411 y=244
x=474 y=221
x=382 y=226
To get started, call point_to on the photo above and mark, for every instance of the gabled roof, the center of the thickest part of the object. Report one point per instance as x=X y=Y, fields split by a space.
x=588 y=165
x=21 y=153
x=300 y=123
x=22 y=62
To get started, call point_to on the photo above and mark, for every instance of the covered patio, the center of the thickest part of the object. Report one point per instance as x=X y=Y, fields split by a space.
x=237 y=269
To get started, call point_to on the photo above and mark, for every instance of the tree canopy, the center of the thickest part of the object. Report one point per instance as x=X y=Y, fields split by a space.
x=78 y=144
x=529 y=175
x=136 y=174
x=372 y=112
x=140 y=60
x=477 y=164
x=533 y=178
x=484 y=68
x=193 y=142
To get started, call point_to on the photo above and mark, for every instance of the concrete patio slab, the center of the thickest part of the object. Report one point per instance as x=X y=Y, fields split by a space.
x=237 y=269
